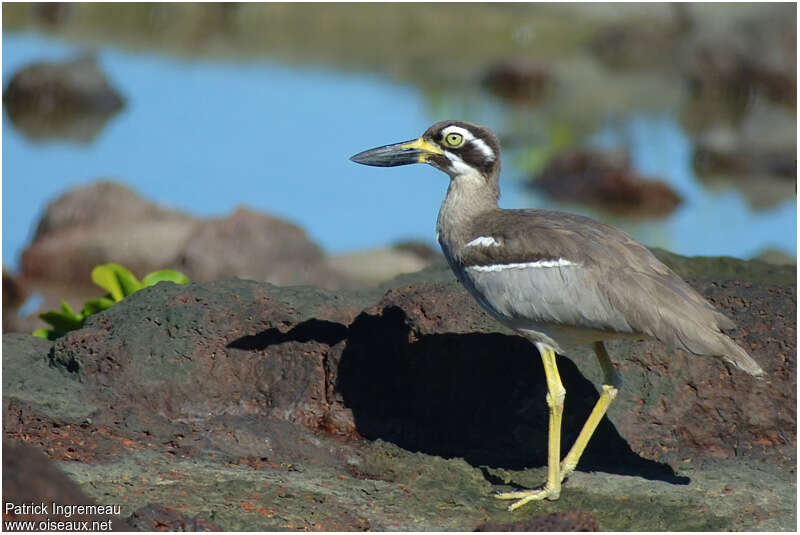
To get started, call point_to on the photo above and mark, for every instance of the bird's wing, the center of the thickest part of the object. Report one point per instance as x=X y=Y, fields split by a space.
x=572 y=271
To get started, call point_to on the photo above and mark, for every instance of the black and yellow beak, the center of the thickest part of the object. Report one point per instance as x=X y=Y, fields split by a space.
x=416 y=151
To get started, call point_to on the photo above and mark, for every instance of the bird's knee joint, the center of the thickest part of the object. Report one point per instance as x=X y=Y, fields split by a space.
x=611 y=391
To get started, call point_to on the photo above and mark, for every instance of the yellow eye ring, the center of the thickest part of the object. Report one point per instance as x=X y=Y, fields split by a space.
x=453 y=140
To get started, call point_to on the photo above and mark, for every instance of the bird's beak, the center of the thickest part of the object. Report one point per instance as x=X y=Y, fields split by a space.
x=416 y=151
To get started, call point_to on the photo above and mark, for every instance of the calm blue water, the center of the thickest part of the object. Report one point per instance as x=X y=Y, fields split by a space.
x=204 y=137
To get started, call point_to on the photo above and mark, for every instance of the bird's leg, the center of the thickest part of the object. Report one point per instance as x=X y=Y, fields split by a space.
x=611 y=385
x=555 y=403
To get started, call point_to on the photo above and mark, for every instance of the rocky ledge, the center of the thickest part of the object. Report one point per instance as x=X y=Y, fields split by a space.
x=240 y=405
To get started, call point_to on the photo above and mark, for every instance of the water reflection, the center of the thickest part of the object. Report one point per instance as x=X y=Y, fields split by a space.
x=205 y=136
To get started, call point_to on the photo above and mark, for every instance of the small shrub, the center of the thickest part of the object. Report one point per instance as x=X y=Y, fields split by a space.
x=118 y=281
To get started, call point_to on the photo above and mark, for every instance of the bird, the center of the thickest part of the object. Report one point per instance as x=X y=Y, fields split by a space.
x=558 y=279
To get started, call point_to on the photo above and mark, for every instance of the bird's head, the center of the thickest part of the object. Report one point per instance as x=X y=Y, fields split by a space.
x=458 y=148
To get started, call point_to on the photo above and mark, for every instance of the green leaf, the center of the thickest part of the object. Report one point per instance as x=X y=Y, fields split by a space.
x=116 y=279
x=47 y=334
x=128 y=280
x=67 y=310
x=164 y=275
x=93 y=306
x=62 y=321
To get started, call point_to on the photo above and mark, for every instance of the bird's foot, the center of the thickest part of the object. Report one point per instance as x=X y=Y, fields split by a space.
x=525 y=496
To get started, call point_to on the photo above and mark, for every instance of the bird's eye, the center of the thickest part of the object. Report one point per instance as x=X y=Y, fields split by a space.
x=454 y=140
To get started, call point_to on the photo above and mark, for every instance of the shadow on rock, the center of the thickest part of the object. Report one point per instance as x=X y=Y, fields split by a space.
x=326 y=332
x=477 y=396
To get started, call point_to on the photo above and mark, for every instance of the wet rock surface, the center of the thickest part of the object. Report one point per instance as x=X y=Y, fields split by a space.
x=242 y=405
x=607 y=180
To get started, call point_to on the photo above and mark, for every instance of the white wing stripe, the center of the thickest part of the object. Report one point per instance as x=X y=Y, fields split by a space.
x=523 y=265
x=483 y=241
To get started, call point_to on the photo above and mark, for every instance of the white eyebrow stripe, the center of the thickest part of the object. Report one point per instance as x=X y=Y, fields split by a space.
x=453 y=129
x=524 y=265
x=483 y=241
x=469 y=137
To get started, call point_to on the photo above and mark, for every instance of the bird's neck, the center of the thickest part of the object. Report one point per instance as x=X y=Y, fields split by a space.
x=467 y=196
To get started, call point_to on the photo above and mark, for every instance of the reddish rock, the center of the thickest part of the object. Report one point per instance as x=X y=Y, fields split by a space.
x=107 y=222
x=425 y=368
x=566 y=521
x=256 y=246
x=227 y=347
x=103 y=222
x=606 y=180
x=256 y=377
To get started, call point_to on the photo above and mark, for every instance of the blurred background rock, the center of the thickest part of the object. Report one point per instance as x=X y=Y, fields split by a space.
x=228 y=129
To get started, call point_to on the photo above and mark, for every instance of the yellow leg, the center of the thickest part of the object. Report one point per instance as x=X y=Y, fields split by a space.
x=611 y=384
x=555 y=402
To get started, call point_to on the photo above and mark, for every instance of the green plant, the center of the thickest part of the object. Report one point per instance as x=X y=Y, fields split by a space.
x=114 y=278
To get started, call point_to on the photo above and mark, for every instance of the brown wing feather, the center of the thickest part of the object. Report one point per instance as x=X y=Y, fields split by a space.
x=652 y=298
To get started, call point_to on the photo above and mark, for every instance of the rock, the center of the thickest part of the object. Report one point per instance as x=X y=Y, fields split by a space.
x=569 y=521
x=776 y=256
x=73 y=99
x=299 y=408
x=14 y=295
x=420 y=249
x=107 y=222
x=606 y=180
x=256 y=246
x=102 y=203
x=104 y=222
x=519 y=80
x=232 y=345
x=31 y=478
x=154 y=517
x=378 y=265
x=755 y=55
x=763 y=142
x=51 y=88
x=726 y=268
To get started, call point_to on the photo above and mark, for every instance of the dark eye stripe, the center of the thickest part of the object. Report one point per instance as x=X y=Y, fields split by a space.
x=478 y=150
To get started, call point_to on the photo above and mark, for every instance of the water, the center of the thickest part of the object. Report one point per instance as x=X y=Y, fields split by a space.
x=205 y=136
